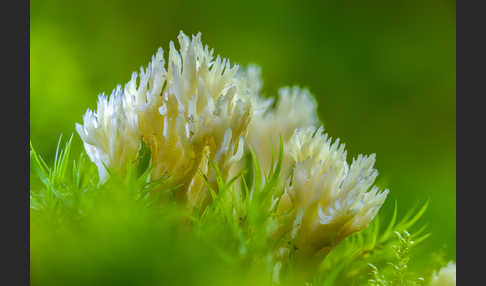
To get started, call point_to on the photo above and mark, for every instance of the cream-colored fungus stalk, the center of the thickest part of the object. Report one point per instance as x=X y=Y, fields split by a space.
x=191 y=114
x=327 y=199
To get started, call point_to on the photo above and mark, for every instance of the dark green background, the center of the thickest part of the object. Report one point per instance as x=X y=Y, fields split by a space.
x=383 y=72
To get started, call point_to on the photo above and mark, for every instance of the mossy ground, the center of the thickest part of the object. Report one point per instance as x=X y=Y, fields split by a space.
x=130 y=232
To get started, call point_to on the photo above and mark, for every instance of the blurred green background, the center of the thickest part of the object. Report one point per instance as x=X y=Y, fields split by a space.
x=383 y=72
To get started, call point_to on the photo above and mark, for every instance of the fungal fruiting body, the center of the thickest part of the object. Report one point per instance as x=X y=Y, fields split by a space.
x=200 y=109
x=445 y=277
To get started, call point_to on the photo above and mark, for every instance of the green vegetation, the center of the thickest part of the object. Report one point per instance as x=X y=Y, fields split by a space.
x=127 y=231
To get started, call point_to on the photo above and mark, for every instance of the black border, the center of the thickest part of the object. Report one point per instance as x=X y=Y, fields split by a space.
x=470 y=144
x=15 y=82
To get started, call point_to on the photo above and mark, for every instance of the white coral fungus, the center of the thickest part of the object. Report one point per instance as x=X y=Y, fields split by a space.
x=111 y=136
x=326 y=198
x=445 y=277
x=202 y=109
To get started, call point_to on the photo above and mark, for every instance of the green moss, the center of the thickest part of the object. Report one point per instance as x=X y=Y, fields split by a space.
x=128 y=231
